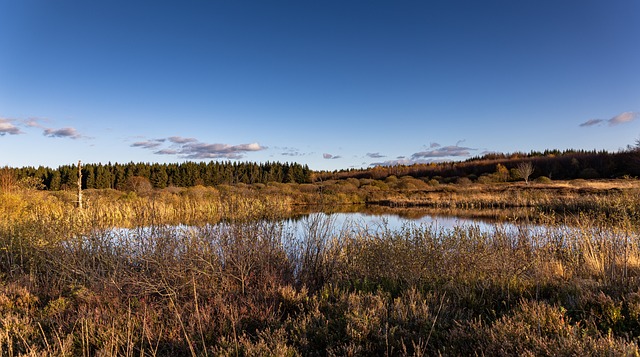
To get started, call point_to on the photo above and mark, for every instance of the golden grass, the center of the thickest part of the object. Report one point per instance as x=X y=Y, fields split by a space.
x=248 y=287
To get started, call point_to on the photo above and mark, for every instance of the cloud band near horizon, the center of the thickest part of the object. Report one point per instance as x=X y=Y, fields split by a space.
x=436 y=152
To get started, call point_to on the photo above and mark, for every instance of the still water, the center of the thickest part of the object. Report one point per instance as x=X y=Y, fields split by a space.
x=370 y=222
x=393 y=222
x=316 y=226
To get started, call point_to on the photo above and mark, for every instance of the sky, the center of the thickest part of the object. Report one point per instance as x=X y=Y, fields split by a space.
x=331 y=84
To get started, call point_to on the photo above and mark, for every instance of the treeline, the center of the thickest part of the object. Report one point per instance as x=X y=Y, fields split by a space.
x=520 y=155
x=554 y=164
x=119 y=176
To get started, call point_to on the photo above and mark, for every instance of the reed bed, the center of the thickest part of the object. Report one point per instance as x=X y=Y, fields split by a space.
x=73 y=285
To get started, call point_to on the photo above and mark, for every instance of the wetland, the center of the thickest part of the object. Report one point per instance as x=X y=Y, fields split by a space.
x=255 y=270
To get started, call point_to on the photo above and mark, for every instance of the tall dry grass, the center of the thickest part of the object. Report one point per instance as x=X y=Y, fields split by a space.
x=250 y=286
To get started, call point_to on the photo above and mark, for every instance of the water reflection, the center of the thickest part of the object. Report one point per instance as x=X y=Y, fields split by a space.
x=376 y=218
x=421 y=213
x=319 y=228
x=368 y=219
x=393 y=222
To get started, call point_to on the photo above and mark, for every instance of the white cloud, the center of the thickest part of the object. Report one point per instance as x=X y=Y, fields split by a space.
x=7 y=127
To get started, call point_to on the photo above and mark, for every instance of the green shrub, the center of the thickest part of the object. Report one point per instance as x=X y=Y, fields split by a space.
x=543 y=179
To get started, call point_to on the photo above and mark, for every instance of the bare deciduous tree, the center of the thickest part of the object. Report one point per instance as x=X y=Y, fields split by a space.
x=524 y=170
x=139 y=184
x=8 y=179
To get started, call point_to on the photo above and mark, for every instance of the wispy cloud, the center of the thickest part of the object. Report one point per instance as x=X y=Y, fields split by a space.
x=364 y=164
x=618 y=119
x=330 y=157
x=487 y=152
x=148 y=144
x=70 y=133
x=434 y=153
x=375 y=155
x=191 y=148
x=198 y=150
x=443 y=151
x=35 y=122
x=592 y=122
x=393 y=162
x=13 y=127
x=289 y=151
x=7 y=127
x=166 y=152
x=181 y=140
x=624 y=118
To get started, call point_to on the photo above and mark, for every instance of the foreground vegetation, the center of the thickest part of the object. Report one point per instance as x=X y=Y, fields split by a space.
x=249 y=286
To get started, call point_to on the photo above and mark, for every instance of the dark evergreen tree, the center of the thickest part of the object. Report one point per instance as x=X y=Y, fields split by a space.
x=159 y=177
x=88 y=176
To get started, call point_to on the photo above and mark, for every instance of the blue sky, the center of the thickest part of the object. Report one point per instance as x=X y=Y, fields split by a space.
x=331 y=84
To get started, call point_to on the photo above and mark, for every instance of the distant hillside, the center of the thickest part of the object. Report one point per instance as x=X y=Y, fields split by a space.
x=553 y=164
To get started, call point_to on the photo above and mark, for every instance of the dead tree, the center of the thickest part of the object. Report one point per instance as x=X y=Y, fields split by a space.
x=79 y=184
x=524 y=170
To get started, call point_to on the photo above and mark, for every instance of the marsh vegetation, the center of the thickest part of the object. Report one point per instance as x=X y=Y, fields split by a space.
x=171 y=284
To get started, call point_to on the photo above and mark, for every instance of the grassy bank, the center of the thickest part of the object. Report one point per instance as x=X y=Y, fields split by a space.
x=250 y=287
x=573 y=195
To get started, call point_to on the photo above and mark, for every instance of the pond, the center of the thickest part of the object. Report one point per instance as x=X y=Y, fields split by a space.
x=317 y=229
x=371 y=222
x=375 y=219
